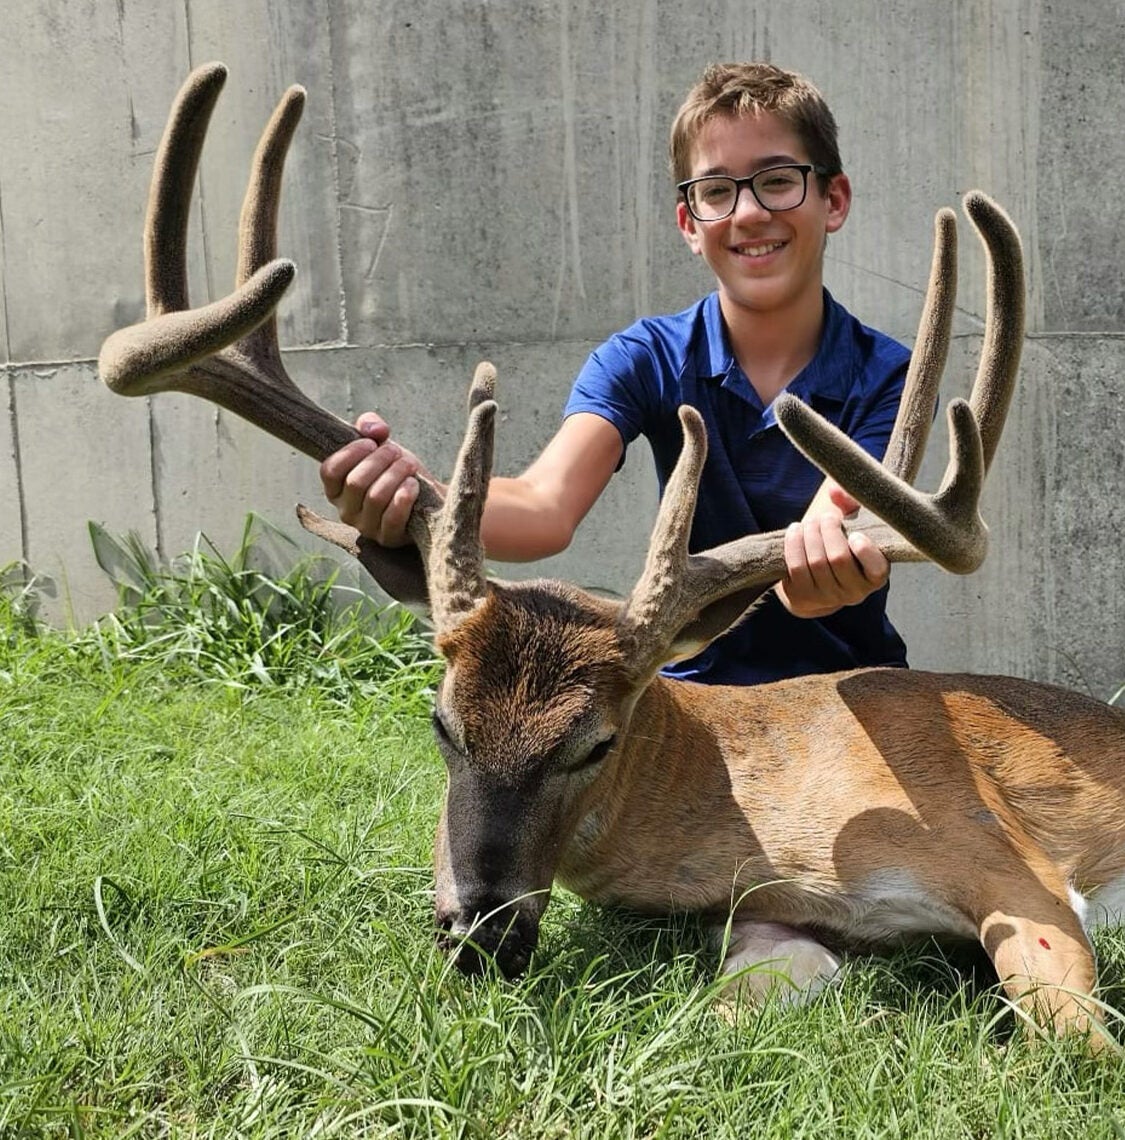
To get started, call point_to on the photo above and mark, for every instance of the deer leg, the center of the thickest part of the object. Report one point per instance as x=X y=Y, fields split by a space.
x=791 y=967
x=1043 y=957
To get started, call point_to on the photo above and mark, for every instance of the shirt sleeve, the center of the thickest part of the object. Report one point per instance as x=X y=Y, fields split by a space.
x=618 y=382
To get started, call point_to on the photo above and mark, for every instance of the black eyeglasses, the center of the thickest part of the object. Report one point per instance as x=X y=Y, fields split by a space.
x=776 y=188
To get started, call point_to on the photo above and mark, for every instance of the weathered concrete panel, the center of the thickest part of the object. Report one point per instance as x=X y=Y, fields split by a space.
x=210 y=468
x=267 y=47
x=81 y=459
x=497 y=187
x=5 y=354
x=104 y=78
x=943 y=99
x=487 y=151
x=1079 y=204
x=86 y=87
x=11 y=521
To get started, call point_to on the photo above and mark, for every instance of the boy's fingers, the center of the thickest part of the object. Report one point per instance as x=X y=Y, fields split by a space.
x=841 y=500
x=335 y=469
x=839 y=569
x=796 y=565
x=392 y=524
x=876 y=569
x=372 y=426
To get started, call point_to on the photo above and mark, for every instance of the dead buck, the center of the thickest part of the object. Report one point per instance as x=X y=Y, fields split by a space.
x=859 y=807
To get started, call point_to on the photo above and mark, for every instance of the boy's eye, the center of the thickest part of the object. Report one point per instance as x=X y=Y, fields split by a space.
x=712 y=192
x=779 y=180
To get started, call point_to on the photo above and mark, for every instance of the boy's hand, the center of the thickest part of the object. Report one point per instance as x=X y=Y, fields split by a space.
x=371 y=483
x=826 y=568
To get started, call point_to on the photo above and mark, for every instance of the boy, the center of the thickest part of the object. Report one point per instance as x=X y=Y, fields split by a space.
x=757 y=166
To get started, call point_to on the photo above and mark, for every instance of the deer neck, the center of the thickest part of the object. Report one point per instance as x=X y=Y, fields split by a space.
x=668 y=770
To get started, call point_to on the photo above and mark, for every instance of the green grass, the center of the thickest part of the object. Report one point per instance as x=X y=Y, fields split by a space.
x=214 y=866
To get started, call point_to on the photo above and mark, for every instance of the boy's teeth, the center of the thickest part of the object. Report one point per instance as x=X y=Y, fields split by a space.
x=759 y=250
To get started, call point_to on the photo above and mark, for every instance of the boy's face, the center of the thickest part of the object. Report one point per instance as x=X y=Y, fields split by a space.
x=764 y=262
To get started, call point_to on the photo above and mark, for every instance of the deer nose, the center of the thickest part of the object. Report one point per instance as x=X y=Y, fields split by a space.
x=503 y=935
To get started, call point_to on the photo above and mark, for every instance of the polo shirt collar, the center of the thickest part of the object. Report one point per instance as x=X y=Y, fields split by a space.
x=825 y=377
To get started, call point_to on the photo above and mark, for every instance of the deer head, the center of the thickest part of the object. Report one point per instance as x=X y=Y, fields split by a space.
x=550 y=700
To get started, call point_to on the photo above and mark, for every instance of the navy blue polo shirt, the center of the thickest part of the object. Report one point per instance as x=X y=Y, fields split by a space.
x=754 y=478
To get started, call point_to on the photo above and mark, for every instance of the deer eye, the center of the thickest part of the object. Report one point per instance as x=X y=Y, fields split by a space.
x=596 y=754
x=444 y=739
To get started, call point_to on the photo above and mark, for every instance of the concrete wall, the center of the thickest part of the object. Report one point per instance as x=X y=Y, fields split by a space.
x=486 y=179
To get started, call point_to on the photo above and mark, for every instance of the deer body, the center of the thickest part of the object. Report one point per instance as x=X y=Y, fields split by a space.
x=865 y=806
x=868 y=807
x=815 y=800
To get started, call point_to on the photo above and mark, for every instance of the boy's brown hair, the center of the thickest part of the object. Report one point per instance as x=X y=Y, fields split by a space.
x=750 y=89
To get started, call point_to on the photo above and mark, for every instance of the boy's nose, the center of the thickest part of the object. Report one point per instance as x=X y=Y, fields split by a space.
x=747 y=206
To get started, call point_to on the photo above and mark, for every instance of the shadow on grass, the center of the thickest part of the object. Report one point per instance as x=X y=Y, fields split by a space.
x=642 y=944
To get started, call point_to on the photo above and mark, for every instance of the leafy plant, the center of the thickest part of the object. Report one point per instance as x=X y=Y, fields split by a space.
x=20 y=592
x=243 y=621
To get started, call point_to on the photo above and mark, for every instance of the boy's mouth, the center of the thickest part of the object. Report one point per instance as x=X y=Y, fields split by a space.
x=758 y=249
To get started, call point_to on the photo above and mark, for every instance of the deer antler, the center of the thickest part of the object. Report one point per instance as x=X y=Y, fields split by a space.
x=227 y=352
x=945 y=527
x=214 y=351
x=702 y=593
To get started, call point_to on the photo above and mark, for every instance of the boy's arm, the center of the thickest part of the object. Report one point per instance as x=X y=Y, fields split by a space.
x=371 y=483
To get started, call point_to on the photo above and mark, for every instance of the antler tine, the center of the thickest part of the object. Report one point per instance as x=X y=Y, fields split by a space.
x=398 y=570
x=173 y=176
x=1003 y=321
x=660 y=589
x=911 y=429
x=454 y=554
x=945 y=528
x=257 y=225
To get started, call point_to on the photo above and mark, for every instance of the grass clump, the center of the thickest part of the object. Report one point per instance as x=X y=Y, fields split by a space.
x=244 y=621
x=216 y=921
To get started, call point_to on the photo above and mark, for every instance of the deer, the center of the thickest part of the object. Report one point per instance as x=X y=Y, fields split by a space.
x=854 y=809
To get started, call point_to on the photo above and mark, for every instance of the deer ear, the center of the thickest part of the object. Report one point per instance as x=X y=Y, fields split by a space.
x=398 y=572
x=710 y=622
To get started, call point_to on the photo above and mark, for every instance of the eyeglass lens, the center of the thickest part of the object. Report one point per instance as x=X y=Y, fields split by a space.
x=777 y=188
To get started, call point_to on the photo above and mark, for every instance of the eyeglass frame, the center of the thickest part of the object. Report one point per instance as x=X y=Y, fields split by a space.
x=747 y=183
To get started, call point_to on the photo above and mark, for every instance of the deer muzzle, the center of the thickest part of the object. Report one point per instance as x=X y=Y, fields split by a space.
x=503 y=933
x=494 y=863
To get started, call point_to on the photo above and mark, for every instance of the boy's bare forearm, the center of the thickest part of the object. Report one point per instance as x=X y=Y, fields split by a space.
x=521 y=523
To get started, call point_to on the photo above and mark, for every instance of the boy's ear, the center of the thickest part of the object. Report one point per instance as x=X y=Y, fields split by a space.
x=687 y=227
x=838 y=198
